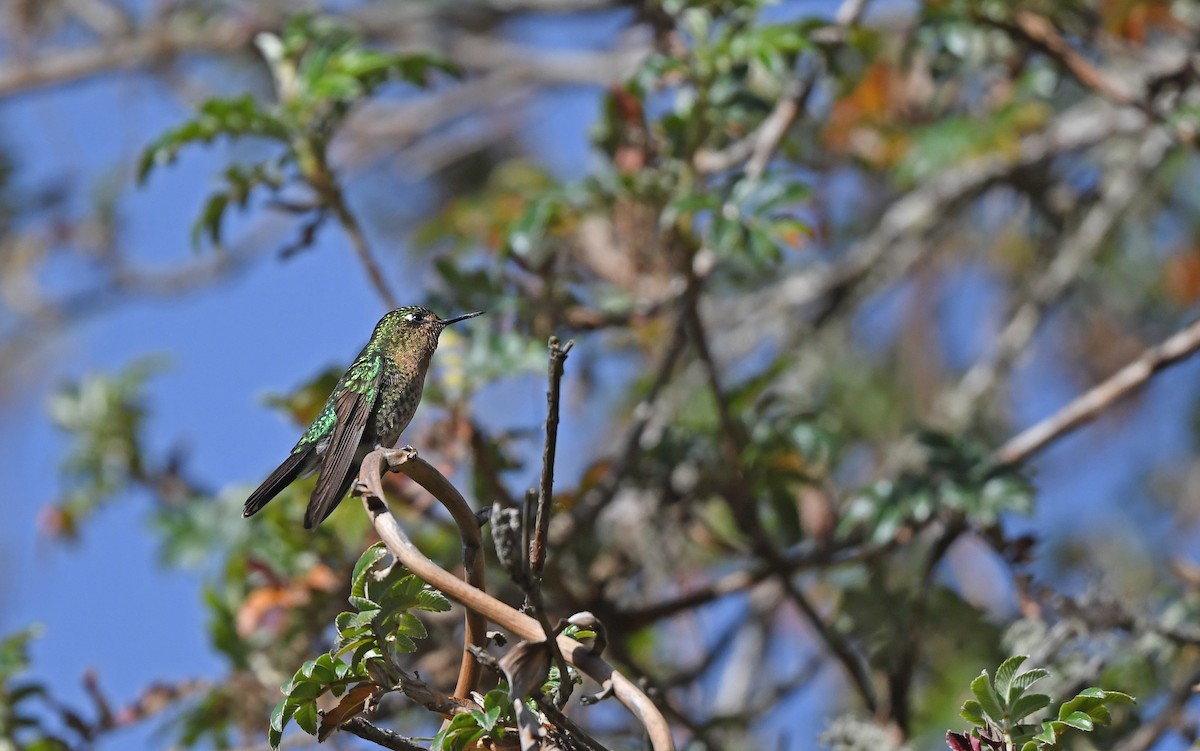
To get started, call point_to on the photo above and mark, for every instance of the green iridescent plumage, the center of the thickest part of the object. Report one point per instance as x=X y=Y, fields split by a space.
x=370 y=406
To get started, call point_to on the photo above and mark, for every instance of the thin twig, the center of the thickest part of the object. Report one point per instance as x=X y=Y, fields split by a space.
x=537 y=549
x=368 y=731
x=592 y=501
x=1088 y=406
x=358 y=240
x=757 y=148
x=560 y=720
x=1075 y=252
x=369 y=487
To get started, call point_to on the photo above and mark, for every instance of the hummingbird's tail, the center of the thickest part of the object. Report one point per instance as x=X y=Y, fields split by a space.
x=283 y=475
x=320 y=506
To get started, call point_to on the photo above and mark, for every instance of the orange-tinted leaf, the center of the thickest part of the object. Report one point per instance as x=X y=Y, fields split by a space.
x=1182 y=278
x=353 y=703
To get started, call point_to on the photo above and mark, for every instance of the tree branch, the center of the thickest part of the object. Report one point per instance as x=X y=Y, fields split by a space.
x=1088 y=406
x=381 y=736
x=369 y=488
x=425 y=475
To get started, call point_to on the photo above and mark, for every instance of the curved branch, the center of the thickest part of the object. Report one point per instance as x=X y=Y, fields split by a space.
x=370 y=489
x=427 y=476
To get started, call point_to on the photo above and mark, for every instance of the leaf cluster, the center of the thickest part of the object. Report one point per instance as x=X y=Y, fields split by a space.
x=1002 y=711
x=321 y=70
x=957 y=476
x=371 y=640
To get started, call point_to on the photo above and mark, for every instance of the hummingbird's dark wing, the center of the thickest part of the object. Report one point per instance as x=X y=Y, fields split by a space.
x=278 y=480
x=353 y=407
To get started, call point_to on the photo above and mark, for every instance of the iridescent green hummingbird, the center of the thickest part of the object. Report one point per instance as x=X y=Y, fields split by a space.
x=370 y=406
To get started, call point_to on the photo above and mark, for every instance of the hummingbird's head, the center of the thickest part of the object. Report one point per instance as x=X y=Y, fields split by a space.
x=415 y=328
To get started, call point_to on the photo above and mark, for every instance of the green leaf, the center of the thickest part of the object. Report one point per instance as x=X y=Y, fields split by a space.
x=411 y=626
x=306 y=717
x=432 y=600
x=1024 y=681
x=1049 y=734
x=358 y=583
x=401 y=595
x=1027 y=705
x=972 y=712
x=1005 y=674
x=351 y=622
x=1079 y=720
x=305 y=690
x=1091 y=698
x=981 y=687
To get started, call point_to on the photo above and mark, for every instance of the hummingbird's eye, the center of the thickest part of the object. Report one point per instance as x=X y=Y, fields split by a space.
x=417 y=317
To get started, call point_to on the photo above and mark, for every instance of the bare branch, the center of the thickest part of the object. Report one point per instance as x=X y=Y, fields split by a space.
x=381 y=736
x=369 y=487
x=537 y=550
x=1091 y=404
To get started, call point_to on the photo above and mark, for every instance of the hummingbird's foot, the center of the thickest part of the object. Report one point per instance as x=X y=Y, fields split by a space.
x=396 y=457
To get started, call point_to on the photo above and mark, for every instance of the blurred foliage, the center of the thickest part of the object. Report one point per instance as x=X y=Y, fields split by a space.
x=321 y=69
x=20 y=728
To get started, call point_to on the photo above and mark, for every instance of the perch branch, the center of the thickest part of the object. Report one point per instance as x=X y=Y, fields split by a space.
x=369 y=488
x=425 y=475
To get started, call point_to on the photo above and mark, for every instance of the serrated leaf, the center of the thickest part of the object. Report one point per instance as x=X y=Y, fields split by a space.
x=403 y=644
x=356 y=645
x=1024 y=681
x=306 y=717
x=401 y=595
x=305 y=690
x=1005 y=674
x=358 y=584
x=972 y=712
x=351 y=622
x=1090 y=698
x=409 y=625
x=362 y=603
x=985 y=694
x=281 y=714
x=432 y=601
x=1027 y=705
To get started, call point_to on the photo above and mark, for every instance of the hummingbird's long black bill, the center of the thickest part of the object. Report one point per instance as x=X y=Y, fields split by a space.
x=462 y=318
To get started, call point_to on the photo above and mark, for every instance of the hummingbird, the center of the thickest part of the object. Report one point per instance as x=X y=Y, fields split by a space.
x=369 y=407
